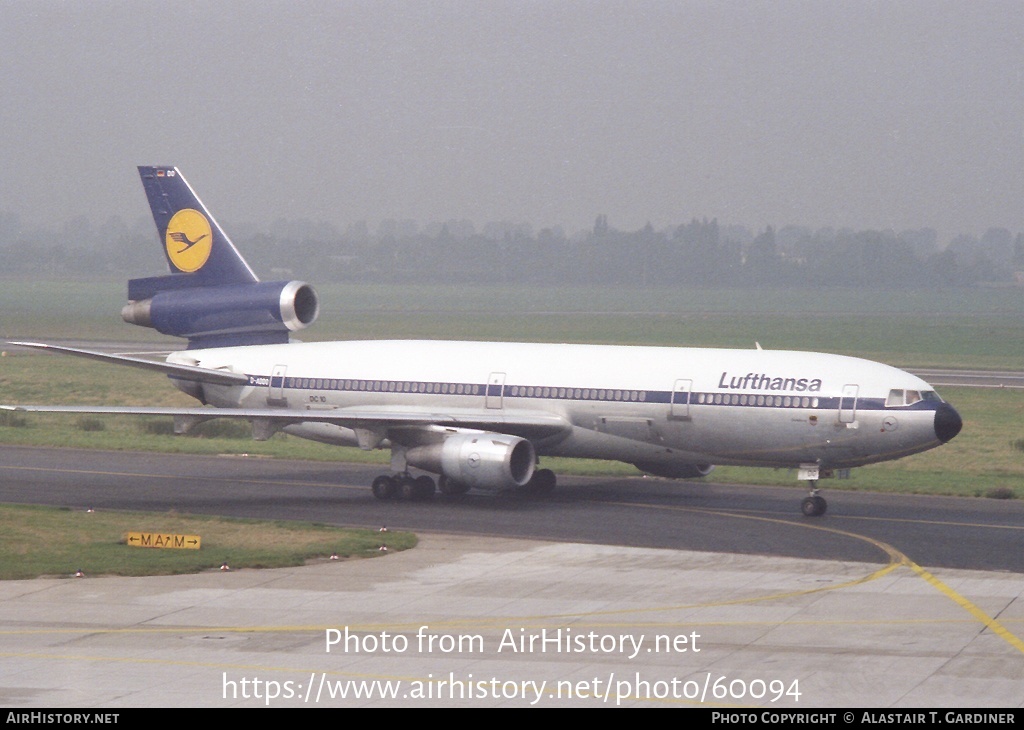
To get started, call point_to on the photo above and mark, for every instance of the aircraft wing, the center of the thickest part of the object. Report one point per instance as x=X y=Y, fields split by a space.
x=182 y=372
x=380 y=419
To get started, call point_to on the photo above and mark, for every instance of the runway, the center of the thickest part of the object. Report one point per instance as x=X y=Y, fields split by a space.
x=942 y=377
x=706 y=595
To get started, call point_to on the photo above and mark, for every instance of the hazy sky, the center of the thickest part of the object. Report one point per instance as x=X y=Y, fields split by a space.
x=861 y=114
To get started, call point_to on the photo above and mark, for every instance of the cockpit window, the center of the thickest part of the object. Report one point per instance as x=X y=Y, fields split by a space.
x=899 y=397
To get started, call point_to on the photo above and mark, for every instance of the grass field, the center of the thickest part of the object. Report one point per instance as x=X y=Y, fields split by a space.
x=94 y=543
x=981 y=328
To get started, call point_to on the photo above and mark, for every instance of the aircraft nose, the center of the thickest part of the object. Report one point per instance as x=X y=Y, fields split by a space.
x=947 y=422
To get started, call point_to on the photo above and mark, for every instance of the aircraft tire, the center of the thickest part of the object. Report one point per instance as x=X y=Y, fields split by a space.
x=450 y=486
x=814 y=506
x=424 y=487
x=543 y=482
x=407 y=487
x=384 y=487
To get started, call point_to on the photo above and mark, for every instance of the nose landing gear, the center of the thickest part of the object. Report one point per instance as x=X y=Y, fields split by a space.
x=813 y=505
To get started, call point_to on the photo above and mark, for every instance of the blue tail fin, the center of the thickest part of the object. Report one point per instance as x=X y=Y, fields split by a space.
x=211 y=296
x=193 y=241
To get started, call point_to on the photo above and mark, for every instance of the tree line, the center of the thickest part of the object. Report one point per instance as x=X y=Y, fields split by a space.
x=700 y=253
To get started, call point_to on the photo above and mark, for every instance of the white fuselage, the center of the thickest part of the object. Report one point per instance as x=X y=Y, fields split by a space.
x=650 y=405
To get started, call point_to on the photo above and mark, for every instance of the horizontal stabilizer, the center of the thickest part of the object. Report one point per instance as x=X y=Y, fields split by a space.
x=182 y=372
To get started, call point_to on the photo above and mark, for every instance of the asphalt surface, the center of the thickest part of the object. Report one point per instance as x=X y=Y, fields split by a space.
x=979 y=534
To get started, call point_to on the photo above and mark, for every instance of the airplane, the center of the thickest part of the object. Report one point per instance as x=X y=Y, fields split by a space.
x=479 y=415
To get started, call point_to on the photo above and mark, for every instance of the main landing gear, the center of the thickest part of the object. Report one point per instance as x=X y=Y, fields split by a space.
x=403 y=486
x=450 y=486
x=814 y=505
x=406 y=486
x=541 y=484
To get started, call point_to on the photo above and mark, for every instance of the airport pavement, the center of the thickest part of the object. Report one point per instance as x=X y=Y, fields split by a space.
x=451 y=622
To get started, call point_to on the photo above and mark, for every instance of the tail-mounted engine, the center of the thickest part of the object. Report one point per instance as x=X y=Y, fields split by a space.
x=256 y=313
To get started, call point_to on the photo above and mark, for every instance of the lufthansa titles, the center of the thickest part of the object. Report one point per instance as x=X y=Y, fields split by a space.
x=761 y=381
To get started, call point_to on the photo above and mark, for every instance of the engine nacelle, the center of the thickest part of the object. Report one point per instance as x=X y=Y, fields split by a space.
x=256 y=313
x=676 y=471
x=482 y=460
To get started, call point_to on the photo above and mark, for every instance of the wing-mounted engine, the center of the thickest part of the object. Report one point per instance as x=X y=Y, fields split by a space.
x=478 y=459
x=256 y=313
x=676 y=471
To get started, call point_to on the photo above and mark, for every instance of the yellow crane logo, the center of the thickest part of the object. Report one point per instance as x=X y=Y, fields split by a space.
x=189 y=240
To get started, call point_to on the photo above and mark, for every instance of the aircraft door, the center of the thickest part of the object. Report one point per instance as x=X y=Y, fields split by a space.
x=275 y=396
x=848 y=404
x=495 y=390
x=680 y=407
